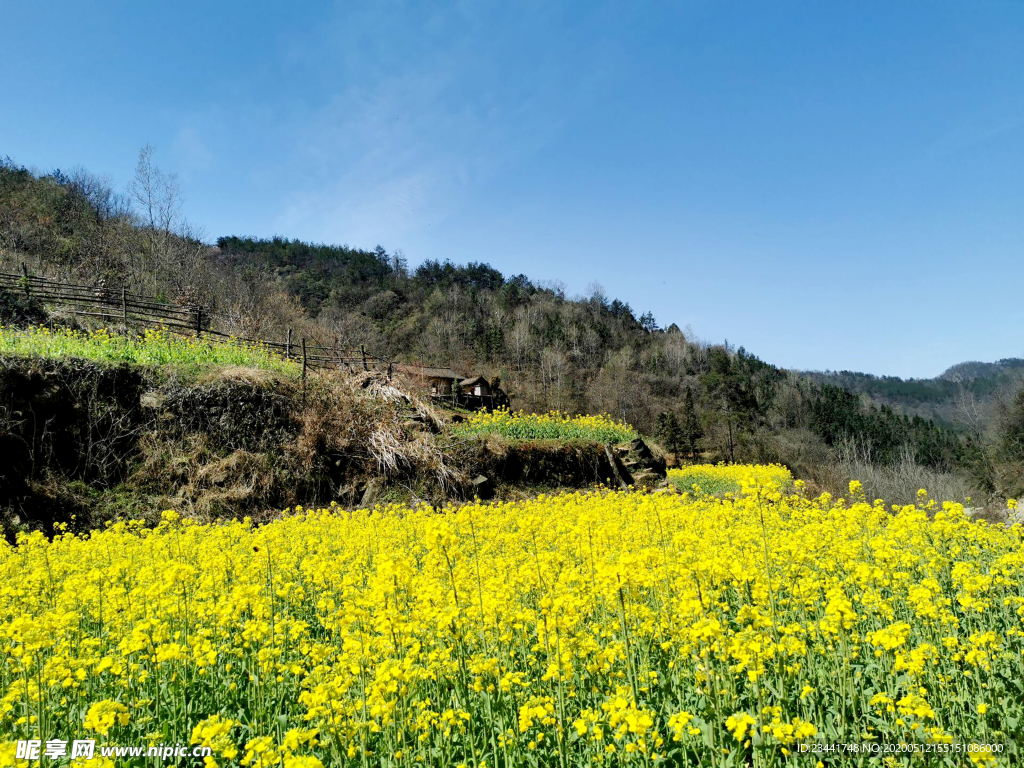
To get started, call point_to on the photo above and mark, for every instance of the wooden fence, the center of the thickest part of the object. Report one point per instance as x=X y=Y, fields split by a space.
x=134 y=310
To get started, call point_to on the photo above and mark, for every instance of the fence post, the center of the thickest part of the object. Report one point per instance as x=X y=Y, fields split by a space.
x=288 y=345
x=199 y=321
x=303 y=370
x=124 y=306
x=362 y=351
x=24 y=272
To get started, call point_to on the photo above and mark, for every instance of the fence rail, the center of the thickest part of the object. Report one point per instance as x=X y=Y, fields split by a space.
x=119 y=306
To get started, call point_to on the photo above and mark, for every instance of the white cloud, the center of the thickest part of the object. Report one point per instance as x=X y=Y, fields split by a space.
x=415 y=125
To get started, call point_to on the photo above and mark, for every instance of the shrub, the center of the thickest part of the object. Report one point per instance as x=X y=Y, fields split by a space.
x=20 y=310
x=518 y=425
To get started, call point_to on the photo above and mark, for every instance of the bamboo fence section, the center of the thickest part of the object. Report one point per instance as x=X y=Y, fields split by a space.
x=134 y=310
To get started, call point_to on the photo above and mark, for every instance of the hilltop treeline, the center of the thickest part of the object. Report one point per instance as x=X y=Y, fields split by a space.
x=588 y=353
x=980 y=379
x=966 y=396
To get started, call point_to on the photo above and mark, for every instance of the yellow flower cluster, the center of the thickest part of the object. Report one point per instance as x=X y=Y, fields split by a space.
x=731 y=478
x=554 y=425
x=155 y=346
x=599 y=628
x=103 y=715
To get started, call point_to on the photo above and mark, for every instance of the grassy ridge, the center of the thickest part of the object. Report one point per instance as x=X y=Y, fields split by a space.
x=519 y=425
x=153 y=347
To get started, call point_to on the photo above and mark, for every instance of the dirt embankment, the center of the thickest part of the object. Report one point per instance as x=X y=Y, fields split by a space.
x=85 y=443
x=63 y=423
x=568 y=465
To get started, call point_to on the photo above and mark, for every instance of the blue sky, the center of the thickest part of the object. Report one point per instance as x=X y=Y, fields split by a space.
x=830 y=185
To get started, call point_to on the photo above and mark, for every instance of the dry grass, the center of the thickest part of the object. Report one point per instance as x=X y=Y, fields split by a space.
x=345 y=430
x=187 y=474
x=896 y=483
x=366 y=420
x=241 y=374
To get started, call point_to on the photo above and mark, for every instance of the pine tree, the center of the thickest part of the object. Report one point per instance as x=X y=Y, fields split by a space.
x=691 y=428
x=671 y=432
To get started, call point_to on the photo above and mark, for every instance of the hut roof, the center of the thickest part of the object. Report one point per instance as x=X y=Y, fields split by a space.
x=475 y=380
x=428 y=373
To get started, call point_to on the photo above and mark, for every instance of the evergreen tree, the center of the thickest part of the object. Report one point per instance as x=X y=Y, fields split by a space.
x=692 y=431
x=1011 y=431
x=729 y=388
x=671 y=432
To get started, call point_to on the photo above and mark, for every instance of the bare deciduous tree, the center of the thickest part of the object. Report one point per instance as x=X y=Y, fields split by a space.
x=156 y=193
x=99 y=191
x=174 y=247
x=969 y=412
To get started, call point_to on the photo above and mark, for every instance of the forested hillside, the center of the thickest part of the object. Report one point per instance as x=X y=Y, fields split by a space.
x=965 y=397
x=591 y=354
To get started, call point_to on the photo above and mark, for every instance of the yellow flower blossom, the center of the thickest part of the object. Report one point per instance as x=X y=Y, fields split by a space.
x=605 y=626
x=104 y=715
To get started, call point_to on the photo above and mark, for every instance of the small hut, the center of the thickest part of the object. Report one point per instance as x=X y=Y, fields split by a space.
x=447 y=384
x=475 y=393
x=477 y=386
x=439 y=381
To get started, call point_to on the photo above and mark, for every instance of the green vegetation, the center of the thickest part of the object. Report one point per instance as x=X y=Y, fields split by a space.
x=980 y=379
x=965 y=396
x=582 y=354
x=708 y=484
x=1005 y=471
x=719 y=479
x=881 y=433
x=19 y=309
x=153 y=347
x=681 y=433
x=547 y=426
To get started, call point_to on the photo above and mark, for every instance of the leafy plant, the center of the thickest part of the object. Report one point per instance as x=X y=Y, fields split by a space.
x=152 y=347
x=517 y=425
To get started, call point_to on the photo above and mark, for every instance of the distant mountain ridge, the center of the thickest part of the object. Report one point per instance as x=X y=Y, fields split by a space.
x=965 y=396
x=974 y=369
x=582 y=354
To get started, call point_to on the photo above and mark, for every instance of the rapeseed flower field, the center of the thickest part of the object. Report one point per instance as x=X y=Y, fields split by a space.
x=155 y=346
x=554 y=425
x=729 y=478
x=594 y=628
